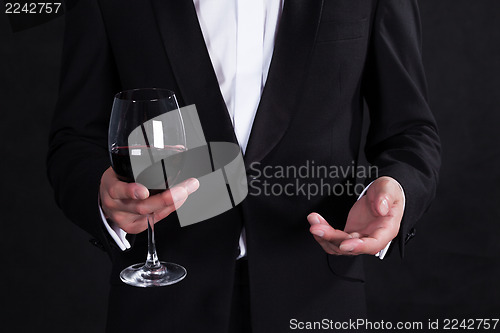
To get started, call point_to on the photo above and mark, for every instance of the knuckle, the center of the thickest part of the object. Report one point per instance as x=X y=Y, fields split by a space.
x=112 y=192
x=166 y=202
x=163 y=213
x=116 y=218
x=142 y=210
x=167 y=198
x=157 y=216
x=107 y=202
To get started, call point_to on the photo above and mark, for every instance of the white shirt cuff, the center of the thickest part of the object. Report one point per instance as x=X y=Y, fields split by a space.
x=116 y=233
x=381 y=254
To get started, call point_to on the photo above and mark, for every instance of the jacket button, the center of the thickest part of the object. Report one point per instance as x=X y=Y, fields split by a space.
x=410 y=235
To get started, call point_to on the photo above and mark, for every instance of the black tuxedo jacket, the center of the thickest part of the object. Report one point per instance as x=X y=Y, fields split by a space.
x=329 y=57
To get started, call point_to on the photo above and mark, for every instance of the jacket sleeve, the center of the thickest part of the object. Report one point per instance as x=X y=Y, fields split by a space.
x=402 y=140
x=78 y=153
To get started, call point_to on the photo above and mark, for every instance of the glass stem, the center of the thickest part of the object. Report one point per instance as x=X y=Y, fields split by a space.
x=152 y=261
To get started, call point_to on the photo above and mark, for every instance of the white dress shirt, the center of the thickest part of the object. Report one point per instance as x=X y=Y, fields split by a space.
x=239 y=35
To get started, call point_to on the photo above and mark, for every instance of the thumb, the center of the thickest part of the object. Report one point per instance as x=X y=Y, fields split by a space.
x=379 y=200
x=385 y=195
x=382 y=204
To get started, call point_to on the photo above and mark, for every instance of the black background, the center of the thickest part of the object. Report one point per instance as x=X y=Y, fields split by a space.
x=54 y=280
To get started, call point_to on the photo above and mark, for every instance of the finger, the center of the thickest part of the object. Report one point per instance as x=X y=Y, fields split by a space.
x=163 y=213
x=315 y=218
x=128 y=222
x=191 y=185
x=324 y=234
x=371 y=244
x=388 y=205
x=179 y=192
x=119 y=190
x=365 y=245
x=328 y=247
x=133 y=223
x=158 y=202
x=355 y=234
x=379 y=201
x=382 y=204
x=115 y=189
x=385 y=194
x=136 y=226
x=329 y=234
x=140 y=223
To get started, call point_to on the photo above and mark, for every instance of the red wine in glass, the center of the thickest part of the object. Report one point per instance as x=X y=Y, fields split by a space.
x=159 y=176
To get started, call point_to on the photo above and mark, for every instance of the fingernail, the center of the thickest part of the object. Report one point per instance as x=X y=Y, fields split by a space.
x=140 y=194
x=385 y=206
x=314 y=219
x=319 y=233
x=192 y=185
x=178 y=194
x=346 y=247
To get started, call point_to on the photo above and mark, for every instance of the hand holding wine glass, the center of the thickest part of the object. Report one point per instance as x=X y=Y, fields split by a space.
x=146 y=143
x=127 y=204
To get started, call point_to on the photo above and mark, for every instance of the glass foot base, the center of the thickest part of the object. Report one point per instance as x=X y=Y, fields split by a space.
x=139 y=275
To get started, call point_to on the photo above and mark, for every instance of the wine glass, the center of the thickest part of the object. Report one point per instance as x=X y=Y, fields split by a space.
x=146 y=140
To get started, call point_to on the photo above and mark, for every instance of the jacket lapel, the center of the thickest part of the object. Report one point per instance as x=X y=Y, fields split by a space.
x=294 y=43
x=193 y=70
